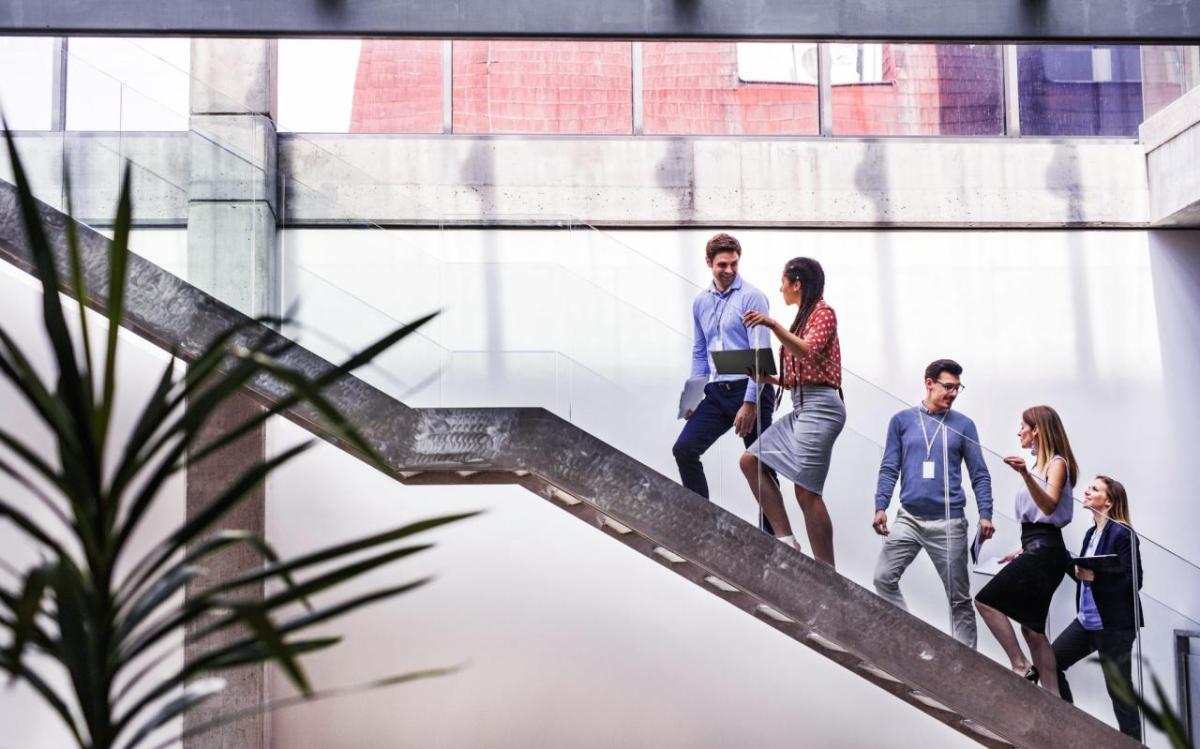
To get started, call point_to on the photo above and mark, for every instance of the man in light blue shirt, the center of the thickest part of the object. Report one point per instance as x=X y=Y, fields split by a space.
x=729 y=400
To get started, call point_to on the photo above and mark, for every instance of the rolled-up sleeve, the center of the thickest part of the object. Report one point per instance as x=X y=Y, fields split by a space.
x=758 y=336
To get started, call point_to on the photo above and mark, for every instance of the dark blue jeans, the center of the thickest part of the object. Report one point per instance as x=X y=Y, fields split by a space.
x=713 y=418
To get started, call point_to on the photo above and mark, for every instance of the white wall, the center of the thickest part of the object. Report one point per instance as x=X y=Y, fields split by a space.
x=27 y=724
x=565 y=638
x=596 y=328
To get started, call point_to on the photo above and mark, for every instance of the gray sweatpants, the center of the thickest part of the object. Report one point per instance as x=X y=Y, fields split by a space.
x=945 y=541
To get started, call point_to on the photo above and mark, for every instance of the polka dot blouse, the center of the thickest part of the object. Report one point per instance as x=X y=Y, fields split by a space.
x=823 y=364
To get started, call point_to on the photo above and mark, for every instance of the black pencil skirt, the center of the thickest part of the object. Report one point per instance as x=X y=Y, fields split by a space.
x=1023 y=588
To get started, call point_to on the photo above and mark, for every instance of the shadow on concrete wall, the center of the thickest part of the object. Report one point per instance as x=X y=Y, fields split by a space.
x=479 y=171
x=1064 y=171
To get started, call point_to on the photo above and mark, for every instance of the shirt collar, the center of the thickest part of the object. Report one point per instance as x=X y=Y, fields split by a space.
x=737 y=284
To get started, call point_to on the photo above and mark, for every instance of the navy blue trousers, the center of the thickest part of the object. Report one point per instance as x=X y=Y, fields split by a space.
x=1076 y=643
x=713 y=418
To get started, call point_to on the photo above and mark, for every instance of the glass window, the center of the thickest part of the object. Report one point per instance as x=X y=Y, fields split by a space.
x=1167 y=74
x=317 y=79
x=533 y=86
x=128 y=84
x=1079 y=90
x=729 y=88
x=26 y=78
x=917 y=89
x=367 y=86
x=388 y=86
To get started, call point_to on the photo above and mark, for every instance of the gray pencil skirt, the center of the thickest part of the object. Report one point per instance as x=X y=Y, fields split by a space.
x=800 y=445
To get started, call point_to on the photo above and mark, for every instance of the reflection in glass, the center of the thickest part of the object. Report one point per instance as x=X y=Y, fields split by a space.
x=728 y=88
x=1168 y=72
x=536 y=86
x=397 y=87
x=1079 y=90
x=917 y=89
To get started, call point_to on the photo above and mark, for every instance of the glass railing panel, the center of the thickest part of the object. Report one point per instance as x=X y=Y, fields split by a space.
x=333 y=323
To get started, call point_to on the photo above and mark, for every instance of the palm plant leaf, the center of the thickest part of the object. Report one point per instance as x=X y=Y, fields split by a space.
x=74 y=609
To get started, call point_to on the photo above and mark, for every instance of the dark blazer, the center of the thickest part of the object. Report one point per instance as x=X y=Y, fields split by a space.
x=1113 y=591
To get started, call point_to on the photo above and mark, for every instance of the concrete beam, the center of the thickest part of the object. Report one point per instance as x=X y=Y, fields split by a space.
x=236 y=80
x=658 y=181
x=1171 y=139
x=1016 y=20
x=351 y=179
x=160 y=165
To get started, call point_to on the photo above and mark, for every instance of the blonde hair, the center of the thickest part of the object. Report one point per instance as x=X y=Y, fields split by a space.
x=1052 y=440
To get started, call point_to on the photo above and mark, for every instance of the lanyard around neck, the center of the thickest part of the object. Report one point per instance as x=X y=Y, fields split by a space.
x=924 y=433
x=719 y=314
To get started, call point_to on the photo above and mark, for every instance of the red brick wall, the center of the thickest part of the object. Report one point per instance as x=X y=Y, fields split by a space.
x=693 y=88
x=928 y=90
x=398 y=88
x=689 y=88
x=543 y=87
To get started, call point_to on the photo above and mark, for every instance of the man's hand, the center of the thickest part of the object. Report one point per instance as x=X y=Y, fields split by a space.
x=986 y=529
x=880 y=523
x=1084 y=574
x=743 y=423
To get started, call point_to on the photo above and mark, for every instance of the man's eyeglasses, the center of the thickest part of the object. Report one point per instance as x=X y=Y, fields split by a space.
x=952 y=387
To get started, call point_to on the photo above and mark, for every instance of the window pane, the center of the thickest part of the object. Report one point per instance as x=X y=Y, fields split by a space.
x=1079 y=90
x=316 y=84
x=128 y=84
x=729 y=88
x=917 y=89
x=26 y=75
x=533 y=86
x=1168 y=73
x=397 y=87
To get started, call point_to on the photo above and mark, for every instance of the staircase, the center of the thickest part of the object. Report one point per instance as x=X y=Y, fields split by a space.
x=646 y=511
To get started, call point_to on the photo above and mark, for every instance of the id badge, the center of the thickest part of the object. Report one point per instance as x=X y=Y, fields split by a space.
x=927 y=470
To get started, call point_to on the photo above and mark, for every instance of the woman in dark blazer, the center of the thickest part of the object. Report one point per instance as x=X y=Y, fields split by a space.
x=1105 y=599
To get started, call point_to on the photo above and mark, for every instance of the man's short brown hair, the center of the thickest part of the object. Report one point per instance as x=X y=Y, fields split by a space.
x=936 y=367
x=722 y=243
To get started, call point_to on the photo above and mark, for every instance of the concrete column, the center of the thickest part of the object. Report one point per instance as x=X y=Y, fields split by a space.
x=233 y=254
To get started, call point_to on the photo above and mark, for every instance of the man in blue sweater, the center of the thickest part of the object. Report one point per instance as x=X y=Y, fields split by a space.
x=926 y=447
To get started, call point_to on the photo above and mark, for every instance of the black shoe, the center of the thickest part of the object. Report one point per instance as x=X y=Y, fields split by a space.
x=1031 y=674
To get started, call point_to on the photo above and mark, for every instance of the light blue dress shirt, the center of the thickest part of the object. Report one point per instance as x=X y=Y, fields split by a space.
x=717 y=320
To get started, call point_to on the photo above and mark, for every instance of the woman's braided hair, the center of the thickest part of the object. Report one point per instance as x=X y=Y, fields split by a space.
x=812 y=288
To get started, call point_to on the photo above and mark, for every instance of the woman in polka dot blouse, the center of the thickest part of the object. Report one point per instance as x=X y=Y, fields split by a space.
x=799 y=448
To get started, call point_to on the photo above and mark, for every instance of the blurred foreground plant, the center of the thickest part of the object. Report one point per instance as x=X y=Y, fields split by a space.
x=73 y=611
